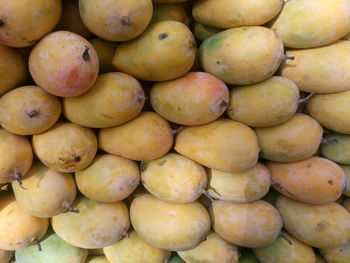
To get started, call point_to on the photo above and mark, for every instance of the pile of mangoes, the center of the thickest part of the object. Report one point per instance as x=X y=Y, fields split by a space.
x=155 y=131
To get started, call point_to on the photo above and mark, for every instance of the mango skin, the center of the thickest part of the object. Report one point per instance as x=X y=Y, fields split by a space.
x=346 y=169
x=202 y=32
x=322 y=226
x=105 y=52
x=236 y=13
x=205 y=98
x=294 y=140
x=165 y=51
x=332 y=111
x=337 y=255
x=19 y=28
x=312 y=23
x=168 y=225
x=95 y=226
x=180 y=12
x=337 y=149
x=115 y=98
x=247 y=101
x=5 y=256
x=236 y=55
x=64 y=64
x=208 y=143
x=13 y=69
x=256 y=224
x=133 y=249
x=145 y=138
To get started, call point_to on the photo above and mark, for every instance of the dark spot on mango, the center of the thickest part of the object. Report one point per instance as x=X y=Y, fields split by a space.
x=125 y=21
x=330 y=182
x=322 y=226
x=32 y=113
x=2 y=23
x=308 y=165
x=161 y=163
x=86 y=55
x=77 y=159
x=163 y=36
x=218 y=62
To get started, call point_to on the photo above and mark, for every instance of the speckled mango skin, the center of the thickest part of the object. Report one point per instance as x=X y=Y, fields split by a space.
x=315 y=180
x=256 y=224
x=19 y=29
x=172 y=11
x=331 y=110
x=5 y=255
x=213 y=249
x=236 y=55
x=248 y=101
x=115 y=98
x=228 y=13
x=337 y=255
x=46 y=193
x=165 y=51
x=193 y=99
x=95 y=226
x=312 y=23
x=281 y=251
x=322 y=226
x=14 y=221
x=105 y=52
x=168 y=225
x=337 y=149
x=134 y=249
x=64 y=64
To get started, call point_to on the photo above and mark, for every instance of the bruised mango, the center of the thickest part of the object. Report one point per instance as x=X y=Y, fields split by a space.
x=336 y=148
x=337 y=255
x=172 y=11
x=105 y=52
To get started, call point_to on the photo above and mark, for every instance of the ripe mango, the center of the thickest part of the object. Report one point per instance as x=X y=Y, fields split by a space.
x=336 y=148
x=202 y=32
x=180 y=12
x=105 y=52
x=337 y=255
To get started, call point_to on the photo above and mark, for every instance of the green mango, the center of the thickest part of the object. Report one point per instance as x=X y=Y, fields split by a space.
x=336 y=148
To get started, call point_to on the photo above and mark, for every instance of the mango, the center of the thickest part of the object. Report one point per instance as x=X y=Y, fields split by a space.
x=115 y=98
x=202 y=32
x=323 y=226
x=109 y=178
x=64 y=64
x=145 y=138
x=236 y=13
x=17 y=228
x=13 y=68
x=336 y=148
x=133 y=249
x=206 y=98
x=332 y=110
x=248 y=101
x=17 y=26
x=242 y=55
x=98 y=259
x=286 y=249
x=213 y=249
x=346 y=169
x=174 y=178
x=105 y=52
x=294 y=140
x=247 y=256
x=312 y=23
x=53 y=250
x=167 y=225
x=180 y=12
x=95 y=226
x=5 y=256
x=165 y=51
x=44 y=192
x=207 y=144
x=29 y=110
x=337 y=255
x=256 y=224
x=242 y=187
x=65 y=147
x=16 y=156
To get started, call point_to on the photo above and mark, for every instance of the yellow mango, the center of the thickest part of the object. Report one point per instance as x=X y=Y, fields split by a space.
x=247 y=101
x=65 y=147
x=145 y=138
x=224 y=145
x=16 y=156
x=115 y=98
x=242 y=55
x=286 y=249
x=332 y=111
x=18 y=28
x=312 y=23
x=336 y=148
x=315 y=180
x=180 y=12
x=44 y=192
x=213 y=249
x=294 y=140
x=320 y=70
x=337 y=255
x=255 y=224
x=109 y=178
x=193 y=99
x=346 y=169
x=202 y=32
x=165 y=51
x=17 y=228
x=241 y=187
x=95 y=226
x=235 y=13
x=29 y=110
x=97 y=259
x=5 y=256
x=322 y=226
x=133 y=249
x=13 y=68
x=167 y=225
x=105 y=52
x=174 y=178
